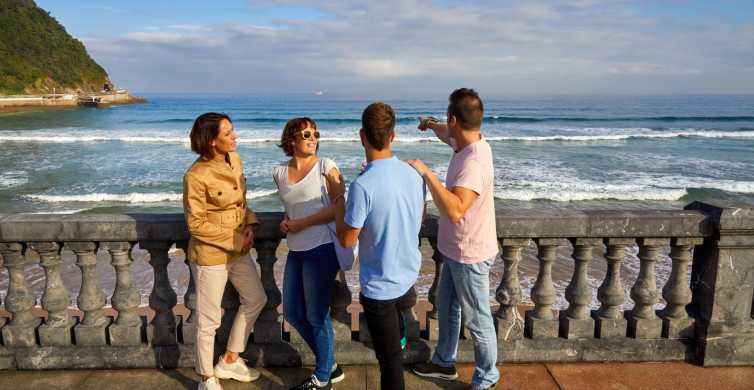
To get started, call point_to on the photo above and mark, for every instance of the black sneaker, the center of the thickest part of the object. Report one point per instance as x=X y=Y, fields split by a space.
x=311 y=383
x=337 y=374
x=431 y=370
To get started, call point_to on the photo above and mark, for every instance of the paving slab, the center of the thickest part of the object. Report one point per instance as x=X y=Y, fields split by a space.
x=655 y=376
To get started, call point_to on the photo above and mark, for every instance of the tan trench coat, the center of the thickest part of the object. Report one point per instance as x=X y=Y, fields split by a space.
x=214 y=203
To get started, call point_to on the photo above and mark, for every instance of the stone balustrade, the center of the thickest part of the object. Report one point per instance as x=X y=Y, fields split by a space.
x=707 y=315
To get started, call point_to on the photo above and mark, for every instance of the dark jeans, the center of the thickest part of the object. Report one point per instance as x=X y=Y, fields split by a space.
x=307 y=293
x=383 y=320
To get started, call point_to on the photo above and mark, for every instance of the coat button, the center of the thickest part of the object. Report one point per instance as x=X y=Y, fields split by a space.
x=235 y=188
x=238 y=205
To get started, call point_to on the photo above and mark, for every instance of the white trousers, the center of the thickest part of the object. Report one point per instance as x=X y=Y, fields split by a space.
x=210 y=285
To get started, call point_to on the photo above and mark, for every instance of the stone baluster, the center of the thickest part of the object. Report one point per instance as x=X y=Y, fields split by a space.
x=433 y=327
x=188 y=323
x=127 y=327
x=56 y=330
x=643 y=323
x=341 y=298
x=162 y=299
x=2 y=300
x=510 y=324
x=91 y=299
x=268 y=328
x=541 y=322
x=576 y=322
x=676 y=322
x=20 y=330
x=609 y=320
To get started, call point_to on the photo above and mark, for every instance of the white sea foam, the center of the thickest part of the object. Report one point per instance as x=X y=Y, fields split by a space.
x=133 y=197
x=12 y=179
x=584 y=135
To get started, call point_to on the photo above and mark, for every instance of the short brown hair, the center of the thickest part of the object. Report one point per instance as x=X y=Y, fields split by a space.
x=293 y=127
x=378 y=122
x=466 y=105
x=206 y=128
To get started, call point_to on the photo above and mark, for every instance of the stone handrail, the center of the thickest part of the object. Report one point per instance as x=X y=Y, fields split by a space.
x=707 y=315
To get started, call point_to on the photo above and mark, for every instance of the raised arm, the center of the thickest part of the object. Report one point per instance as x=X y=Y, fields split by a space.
x=440 y=129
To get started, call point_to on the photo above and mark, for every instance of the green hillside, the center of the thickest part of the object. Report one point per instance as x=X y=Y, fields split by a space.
x=37 y=55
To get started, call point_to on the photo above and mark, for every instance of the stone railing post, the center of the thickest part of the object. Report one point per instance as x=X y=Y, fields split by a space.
x=21 y=329
x=91 y=300
x=341 y=318
x=676 y=322
x=723 y=286
x=127 y=327
x=188 y=323
x=576 y=322
x=510 y=324
x=643 y=322
x=268 y=328
x=541 y=321
x=609 y=321
x=56 y=330
x=162 y=299
x=433 y=326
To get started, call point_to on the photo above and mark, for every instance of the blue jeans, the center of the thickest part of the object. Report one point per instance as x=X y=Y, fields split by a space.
x=466 y=287
x=307 y=293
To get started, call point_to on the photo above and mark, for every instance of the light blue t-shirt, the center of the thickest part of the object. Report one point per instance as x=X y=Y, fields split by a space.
x=387 y=201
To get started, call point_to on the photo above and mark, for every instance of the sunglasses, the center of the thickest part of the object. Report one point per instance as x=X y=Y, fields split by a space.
x=307 y=134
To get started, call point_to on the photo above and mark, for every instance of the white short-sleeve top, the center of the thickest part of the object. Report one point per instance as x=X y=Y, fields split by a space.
x=302 y=199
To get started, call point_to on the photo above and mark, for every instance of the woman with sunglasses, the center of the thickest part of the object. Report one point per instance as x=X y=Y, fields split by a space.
x=312 y=261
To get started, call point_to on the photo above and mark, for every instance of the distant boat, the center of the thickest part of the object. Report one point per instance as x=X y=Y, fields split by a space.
x=319 y=93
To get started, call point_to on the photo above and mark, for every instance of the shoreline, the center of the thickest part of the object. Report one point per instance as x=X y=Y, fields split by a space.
x=25 y=103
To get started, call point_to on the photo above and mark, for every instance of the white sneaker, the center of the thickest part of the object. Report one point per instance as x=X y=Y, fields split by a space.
x=236 y=370
x=210 y=384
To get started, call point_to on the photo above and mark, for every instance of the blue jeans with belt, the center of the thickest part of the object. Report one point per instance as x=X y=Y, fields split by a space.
x=466 y=288
x=307 y=293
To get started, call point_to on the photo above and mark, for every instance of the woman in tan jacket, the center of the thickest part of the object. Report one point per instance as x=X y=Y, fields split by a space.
x=221 y=228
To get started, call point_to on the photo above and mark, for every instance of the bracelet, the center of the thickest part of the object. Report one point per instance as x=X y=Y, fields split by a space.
x=341 y=196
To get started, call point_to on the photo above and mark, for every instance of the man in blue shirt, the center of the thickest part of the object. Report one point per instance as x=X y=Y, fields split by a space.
x=384 y=212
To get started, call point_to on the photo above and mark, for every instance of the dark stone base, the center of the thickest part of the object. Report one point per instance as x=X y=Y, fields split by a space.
x=55 y=336
x=90 y=335
x=641 y=328
x=20 y=336
x=122 y=336
x=364 y=335
x=727 y=350
x=678 y=329
x=7 y=359
x=268 y=333
x=571 y=328
x=536 y=328
x=162 y=335
x=188 y=331
x=610 y=327
x=509 y=330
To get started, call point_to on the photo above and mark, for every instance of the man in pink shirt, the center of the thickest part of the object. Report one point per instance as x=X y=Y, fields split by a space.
x=466 y=239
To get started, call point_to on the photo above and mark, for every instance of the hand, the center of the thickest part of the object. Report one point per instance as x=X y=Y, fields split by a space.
x=426 y=122
x=248 y=238
x=336 y=185
x=419 y=166
x=296 y=225
x=284 y=224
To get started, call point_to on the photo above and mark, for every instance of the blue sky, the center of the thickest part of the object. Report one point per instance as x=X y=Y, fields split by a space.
x=395 y=48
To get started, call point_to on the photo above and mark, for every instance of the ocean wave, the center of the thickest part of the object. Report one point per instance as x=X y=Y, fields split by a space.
x=12 y=179
x=621 y=136
x=133 y=197
x=523 y=119
x=488 y=119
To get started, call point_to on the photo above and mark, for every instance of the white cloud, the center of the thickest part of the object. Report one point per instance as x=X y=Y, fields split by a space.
x=397 y=47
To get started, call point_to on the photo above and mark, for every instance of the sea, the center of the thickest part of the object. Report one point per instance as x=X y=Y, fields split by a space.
x=551 y=152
